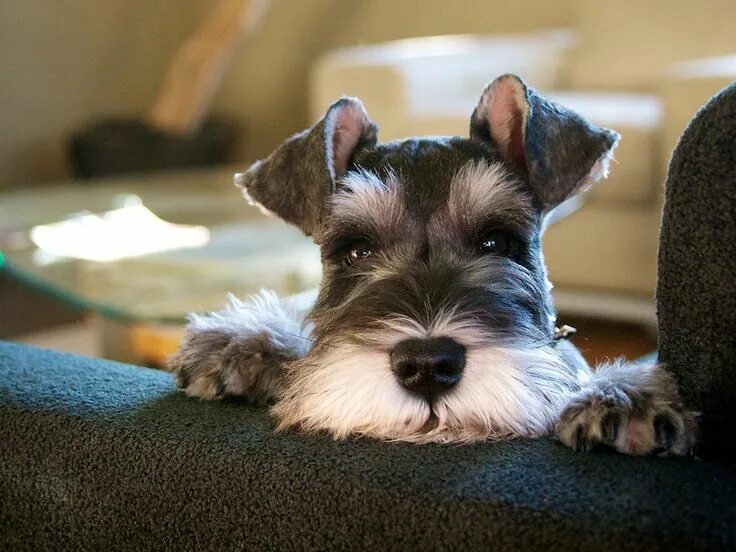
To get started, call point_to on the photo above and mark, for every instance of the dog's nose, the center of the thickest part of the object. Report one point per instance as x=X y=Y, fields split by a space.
x=428 y=367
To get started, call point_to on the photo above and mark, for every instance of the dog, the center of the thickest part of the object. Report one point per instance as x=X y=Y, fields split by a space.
x=434 y=320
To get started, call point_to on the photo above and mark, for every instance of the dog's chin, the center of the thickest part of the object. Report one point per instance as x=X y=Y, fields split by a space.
x=350 y=390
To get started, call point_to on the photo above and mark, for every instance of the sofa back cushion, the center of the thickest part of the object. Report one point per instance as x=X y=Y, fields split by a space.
x=629 y=44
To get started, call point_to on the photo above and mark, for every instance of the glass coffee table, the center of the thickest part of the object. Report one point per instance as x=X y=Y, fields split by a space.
x=141 y=252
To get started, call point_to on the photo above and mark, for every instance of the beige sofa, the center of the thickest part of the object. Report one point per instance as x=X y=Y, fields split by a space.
x=626 y=66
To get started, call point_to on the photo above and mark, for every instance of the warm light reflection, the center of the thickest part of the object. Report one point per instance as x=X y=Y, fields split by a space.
x=118 y=234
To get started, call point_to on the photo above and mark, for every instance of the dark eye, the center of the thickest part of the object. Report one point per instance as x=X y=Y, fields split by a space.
x=494 y=242
x=357 y=253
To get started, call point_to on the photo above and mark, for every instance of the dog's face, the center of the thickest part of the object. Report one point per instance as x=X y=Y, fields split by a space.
x=434 y=320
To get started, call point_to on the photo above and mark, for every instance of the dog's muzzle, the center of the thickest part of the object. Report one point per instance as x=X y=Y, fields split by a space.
x=428 y=367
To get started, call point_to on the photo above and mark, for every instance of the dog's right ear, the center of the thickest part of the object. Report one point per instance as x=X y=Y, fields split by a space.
x=297 y=179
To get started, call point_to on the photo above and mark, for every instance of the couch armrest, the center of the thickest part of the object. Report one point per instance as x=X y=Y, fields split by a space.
x=685 y=89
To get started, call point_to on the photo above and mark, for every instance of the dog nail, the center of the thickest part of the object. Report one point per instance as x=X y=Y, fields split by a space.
x=609 y=427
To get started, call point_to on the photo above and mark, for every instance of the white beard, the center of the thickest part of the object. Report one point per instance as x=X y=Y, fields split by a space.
x=507 y=390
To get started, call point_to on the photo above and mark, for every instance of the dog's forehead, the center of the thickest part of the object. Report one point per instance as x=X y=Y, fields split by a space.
x=426 y=167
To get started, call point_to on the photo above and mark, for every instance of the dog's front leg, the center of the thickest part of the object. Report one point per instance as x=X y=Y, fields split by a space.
x=240 y=350
x=632 y=407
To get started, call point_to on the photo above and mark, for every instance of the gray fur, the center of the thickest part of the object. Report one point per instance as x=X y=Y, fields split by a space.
x=297 y=179
x=633 y=408
x=240 y=350
x=422 y=209
x=559 y=147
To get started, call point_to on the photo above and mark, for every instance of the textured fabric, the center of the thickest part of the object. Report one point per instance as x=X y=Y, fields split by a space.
x=99 y=455
x=696 y=289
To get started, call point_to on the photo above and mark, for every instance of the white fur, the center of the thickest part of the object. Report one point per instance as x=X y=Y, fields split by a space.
x=506 y=389
x=480 y=188
x=239 y=179
x=282 y=319
x=599 y=171
x=479 y=183
x=364 y=197
x=353 y=391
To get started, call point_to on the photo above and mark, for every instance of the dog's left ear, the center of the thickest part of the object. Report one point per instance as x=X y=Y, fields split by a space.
x=560 y=152
x=297 y=179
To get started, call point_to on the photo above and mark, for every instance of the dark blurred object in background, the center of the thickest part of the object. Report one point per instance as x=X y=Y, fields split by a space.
x=119 y=146
x=176 y=132
x=25 y=309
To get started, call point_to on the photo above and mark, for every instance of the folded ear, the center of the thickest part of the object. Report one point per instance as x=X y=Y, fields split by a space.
x=560 y=152
x=297 y=179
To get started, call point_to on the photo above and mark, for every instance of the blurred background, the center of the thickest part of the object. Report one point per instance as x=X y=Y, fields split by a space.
x=121 y=124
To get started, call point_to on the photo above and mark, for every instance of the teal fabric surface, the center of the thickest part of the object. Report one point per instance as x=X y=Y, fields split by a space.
x=99 y=455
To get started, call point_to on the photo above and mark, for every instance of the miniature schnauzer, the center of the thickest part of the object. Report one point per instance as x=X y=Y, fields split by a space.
x=434 y=320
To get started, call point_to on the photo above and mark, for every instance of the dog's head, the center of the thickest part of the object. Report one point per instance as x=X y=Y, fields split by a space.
x=434 y=320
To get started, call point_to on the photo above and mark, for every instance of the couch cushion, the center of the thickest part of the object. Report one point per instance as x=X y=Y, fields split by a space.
x=407 y=80
x=630 y=44
x=613 y=248
x=97 y=454
x=635 y=175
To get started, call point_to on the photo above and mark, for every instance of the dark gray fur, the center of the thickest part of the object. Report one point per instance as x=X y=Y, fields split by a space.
x=559 y=146
x=428 y=261
x=240 y=350
x=215 y=357
x=297 y=179
x=421 y=283
x=619 y=397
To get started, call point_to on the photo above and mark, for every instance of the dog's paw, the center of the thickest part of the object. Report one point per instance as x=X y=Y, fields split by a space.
x=211 y=365
x=631 y=408
x=240 y=350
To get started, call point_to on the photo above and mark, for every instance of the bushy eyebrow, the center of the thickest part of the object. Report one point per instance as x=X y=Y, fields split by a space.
x=485 y=195
x=366 y=205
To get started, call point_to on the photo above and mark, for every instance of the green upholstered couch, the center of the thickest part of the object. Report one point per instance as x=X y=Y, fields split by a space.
x=98 y=455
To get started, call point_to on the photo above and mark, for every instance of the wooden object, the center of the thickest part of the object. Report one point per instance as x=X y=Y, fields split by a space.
x=198 y=66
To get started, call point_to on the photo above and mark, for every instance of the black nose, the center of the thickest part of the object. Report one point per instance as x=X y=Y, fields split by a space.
x=428 y=367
